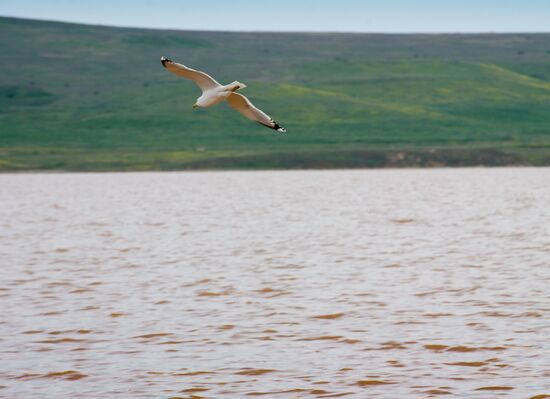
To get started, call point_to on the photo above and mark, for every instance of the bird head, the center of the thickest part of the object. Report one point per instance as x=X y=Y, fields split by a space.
x=195 y=105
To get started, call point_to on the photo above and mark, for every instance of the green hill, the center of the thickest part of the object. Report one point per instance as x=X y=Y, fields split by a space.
x=79 y=97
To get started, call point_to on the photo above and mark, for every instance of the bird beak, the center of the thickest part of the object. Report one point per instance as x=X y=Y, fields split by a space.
x=195 y=105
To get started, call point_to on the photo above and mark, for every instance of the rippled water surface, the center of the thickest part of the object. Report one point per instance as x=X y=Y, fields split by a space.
x=313 y=284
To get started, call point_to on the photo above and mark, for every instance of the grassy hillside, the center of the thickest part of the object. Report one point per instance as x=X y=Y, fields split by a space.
x=80 y=97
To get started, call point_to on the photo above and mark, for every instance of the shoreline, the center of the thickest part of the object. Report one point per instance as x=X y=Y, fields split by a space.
x=197 y=171
x=82 y=161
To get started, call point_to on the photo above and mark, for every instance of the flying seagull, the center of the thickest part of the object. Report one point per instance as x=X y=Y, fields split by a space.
x=214 y=93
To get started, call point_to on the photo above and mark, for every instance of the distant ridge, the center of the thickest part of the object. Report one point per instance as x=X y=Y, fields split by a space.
x=313 y=32
x=89 y=97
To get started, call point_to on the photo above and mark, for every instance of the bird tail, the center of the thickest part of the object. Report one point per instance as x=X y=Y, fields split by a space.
x=235 y=86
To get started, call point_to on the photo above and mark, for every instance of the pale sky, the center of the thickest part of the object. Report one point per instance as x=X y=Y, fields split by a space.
x=296 y=15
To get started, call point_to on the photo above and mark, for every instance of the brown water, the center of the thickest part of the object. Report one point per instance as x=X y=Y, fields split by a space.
x=361 y=284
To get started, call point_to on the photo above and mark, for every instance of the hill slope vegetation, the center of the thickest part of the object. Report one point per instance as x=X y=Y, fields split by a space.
x=80 y=97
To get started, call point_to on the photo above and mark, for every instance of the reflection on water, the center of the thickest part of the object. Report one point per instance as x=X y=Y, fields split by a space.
x=379 y=284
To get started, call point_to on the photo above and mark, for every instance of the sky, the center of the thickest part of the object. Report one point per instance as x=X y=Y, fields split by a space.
x=387 y=16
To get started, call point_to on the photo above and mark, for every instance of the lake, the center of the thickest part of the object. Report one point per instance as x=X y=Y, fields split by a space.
x=276 y=284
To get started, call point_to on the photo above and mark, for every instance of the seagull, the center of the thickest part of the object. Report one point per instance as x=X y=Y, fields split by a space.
x=214 y=93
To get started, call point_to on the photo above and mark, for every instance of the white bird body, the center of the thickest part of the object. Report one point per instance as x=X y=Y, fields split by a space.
x=217 y=94
x=214 y=93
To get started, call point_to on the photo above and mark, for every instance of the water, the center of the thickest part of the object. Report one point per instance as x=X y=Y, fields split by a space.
x=313 y=284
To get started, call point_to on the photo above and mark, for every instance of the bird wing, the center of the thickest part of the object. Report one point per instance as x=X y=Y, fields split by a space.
x=203 y=80
x=245 y=107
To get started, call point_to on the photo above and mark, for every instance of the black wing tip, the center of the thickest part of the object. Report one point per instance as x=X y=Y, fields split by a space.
x=278 y=128
x=164 y=60
x=275 y=126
